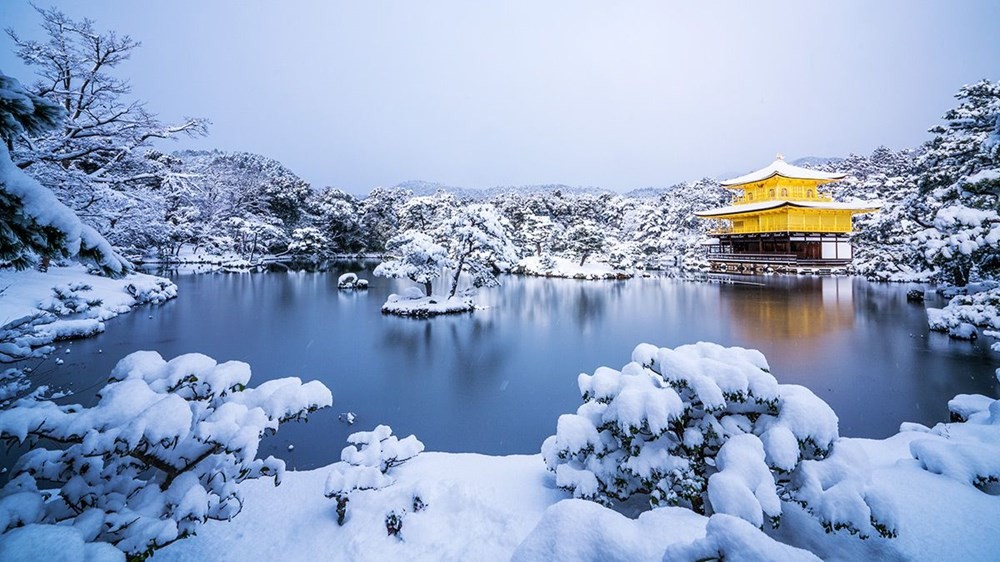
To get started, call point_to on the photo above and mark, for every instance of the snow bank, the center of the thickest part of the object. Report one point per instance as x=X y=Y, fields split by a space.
x=734 y=540
x=477 y=507
x=574 y=530
x=549 y=266
x=49 y=542
x=414 y=304
x=37 y=309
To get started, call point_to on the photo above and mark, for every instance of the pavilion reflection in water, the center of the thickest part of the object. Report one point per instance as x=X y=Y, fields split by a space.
x=809 y=308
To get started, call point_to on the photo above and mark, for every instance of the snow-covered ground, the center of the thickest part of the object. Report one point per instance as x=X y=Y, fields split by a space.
x=492 y=508
x=550 y=266
x=66 y=302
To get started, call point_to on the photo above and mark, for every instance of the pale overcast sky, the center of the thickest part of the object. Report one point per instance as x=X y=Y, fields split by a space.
x=612 y=94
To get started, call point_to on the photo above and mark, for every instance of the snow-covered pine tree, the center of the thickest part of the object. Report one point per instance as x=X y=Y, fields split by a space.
x=415 y=257
x=709 y=428
x=584 y=239
x=33 y=223
x=478 y=244
x=959 y=180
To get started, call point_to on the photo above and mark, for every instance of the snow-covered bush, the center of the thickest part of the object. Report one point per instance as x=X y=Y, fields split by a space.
x=709 y=428
x=964 y=312
x=162 y=451
x=68 y=299
x=365 y=464
x=151 y=290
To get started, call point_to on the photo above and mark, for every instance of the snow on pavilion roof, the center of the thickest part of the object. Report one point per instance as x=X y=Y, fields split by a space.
x=781 y=168
x=769 y=205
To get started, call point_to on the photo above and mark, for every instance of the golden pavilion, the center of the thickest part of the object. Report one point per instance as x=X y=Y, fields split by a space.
x=780 y=221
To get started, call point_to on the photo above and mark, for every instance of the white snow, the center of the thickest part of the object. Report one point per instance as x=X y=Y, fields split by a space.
x=413 y=303
x=550 y=266
x=39 y=308
x=734 y=540
x=781 y=168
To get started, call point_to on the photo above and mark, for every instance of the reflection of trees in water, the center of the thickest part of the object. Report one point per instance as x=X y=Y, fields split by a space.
x=544 y=301
x=469 y=346
x=790 y=307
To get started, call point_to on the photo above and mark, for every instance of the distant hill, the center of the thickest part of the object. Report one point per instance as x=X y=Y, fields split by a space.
x=815 y=161
x=420 y=187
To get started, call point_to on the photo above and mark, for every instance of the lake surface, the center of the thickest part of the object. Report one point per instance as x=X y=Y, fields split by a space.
x=496 y=381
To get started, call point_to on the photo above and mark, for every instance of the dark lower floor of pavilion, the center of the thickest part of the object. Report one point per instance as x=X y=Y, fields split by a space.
x=780 y=251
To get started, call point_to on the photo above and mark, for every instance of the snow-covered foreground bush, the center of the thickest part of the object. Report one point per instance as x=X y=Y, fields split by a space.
x=709 y=428
x=163 y=451
x=365 y=465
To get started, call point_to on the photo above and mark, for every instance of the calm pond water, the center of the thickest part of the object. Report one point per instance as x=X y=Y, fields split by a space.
x=496 y=381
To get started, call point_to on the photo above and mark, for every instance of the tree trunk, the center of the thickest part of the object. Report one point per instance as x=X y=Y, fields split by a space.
x=427 y=288
x=960 y=275
x=538 y=249
x=458 y=269
x=253 y=247
x=583 y=259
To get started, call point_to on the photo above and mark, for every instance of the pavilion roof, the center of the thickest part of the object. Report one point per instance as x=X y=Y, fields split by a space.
x=781 y=168
x=860 y=206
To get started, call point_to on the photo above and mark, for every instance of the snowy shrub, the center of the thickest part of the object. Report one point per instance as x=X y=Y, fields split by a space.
x=162 y=451
x=151 y=290
x=365 y=464
x=964 y=312
x=68 y=299
x=709 y=428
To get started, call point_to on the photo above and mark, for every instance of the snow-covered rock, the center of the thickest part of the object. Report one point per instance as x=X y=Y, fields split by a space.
x=351 y=281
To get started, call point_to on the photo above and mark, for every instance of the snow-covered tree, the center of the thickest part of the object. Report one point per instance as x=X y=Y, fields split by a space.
x=335 y=213
x=536 y=232
x=417 y=258
x=585 y=238
x=379 y=218
x=308 y=243
x=709 y=428
x=478 y=244
x=33 y=223
x=960 y=181
x=163 y=450
x=94 y=159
